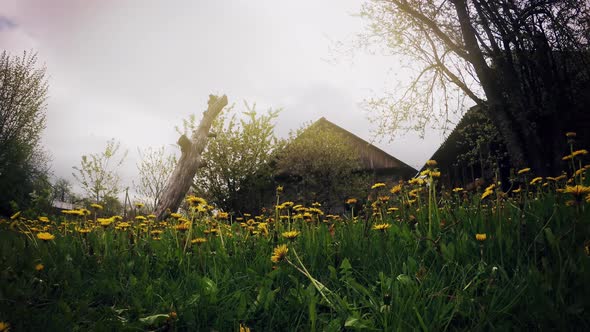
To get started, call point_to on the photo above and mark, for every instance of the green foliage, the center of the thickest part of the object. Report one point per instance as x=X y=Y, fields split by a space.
x=237 y=171
x=97 y=172
x=320 y=165
x=154 y=170
x=23 y=164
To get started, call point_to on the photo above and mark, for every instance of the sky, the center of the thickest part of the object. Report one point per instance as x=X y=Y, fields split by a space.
x=133 y=69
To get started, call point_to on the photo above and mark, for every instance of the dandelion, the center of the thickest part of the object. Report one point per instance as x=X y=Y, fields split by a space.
x=481 y=237
x=176 y=215
x=182 y=227
x=4 y=327
x=517 y=190
x=579 y=153
x=96 y=206
x=457 y=190
x=38 y=267
x=279 y=253
x=194 y=200
x=83 y=230
x=124 y=225
x=570 y=134
x=381 y=227
x=396 y=189
x=139 y=205
x=351 y=201
x=431 y=163
x=105 y=222
x=44 y=236
x=577 y=190
x=279 y=189
x=378 y=185
x=486 y=194
x=222 y=216
x=523 y=171
x=141 y=218
x=14 y=216
x=43 y=219
x=535 y=180
x=199 y=240
x=291 y=235
x=244 y=328
x=151 y=216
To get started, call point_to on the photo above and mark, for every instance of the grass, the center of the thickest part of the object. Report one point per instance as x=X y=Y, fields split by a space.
x=425 y=271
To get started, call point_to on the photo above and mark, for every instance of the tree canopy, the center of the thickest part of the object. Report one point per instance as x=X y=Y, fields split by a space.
x=524 y=62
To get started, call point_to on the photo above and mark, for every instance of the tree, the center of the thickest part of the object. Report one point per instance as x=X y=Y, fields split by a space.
x=318 y=166
x=154 y=170
x=190 y=159
x=97 y=172
x=24 y=166
x=238 y=160
x=524 y=62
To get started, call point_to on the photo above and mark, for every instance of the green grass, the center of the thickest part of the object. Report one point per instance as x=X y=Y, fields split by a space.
x=530 y=273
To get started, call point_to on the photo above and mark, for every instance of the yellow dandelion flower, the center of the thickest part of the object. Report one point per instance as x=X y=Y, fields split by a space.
x=291 y=235
x=570 y=134
x=579 y=153
x=378 y=185
x=523 y=171
x=244 y=328
x=381 y=227
x=82 y=230
x=417 y=181
x=396 y=189
x=351 y=201
x=141 y=218
x=176 y=215
x=39 y=267
x=431 y=163
x=182 y=227
x=105 y=222
x=577 y=190
x=279 y=253
x=481 y=237
x=486 y=193
x=517 y=190
x=537 y=179
x=425 y=172
x=139 y=205
x=14 y=216
x=199 y=240
x=44 y=236
x=123 y=225
x=4 y=327
x=568 y=157
x=43 y=219
x=96 y=206
x=458 y=189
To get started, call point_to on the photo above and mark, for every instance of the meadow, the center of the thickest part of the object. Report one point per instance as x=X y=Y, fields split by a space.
x=415 y=256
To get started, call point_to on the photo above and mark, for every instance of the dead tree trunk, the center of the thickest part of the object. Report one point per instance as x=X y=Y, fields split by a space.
x=190 y=159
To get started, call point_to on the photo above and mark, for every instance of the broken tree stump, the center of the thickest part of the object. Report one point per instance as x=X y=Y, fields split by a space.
x=190 y=159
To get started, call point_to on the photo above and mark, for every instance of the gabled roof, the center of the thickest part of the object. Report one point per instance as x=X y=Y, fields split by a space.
x=371 y=156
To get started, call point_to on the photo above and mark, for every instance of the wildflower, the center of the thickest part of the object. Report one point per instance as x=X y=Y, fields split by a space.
x=39 y=267
x=194 y=200
x=176 y=215
x=244 y=328
x=199 y=240
x=588 y=198
x=105 y=222
x=142 y=218
x=351 y=201
x=83 y=230
x=4 y=327
x=481 y=237
x=392 y=209
x=43 y=219
x=431 y=163
x=425 y=172
x=44 y=236
x=383 y=198
x=156 y=232
x=577 y=190
x=486 y=193
x=381 y=227
x=123 y=225
x=222 y=216
x=279 y=253
x=14 y=216
x=568 y=157
x=117 y=218
x=570 y=134
x=291 y=235
x=139 y=205
x=96 y=206
x=182 y=227
x=579 y=153
x=417 y=181
x=458 y=189
x=279 y=189
x=396 y=189
x=378 y=185
x=524 y=170
x=517 y=190
x=151 y=216
x=537 y=179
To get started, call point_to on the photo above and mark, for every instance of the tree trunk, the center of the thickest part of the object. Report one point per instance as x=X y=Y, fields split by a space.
x=182 y=177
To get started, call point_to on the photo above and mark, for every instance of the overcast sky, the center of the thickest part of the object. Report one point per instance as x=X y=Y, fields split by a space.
x=133 y=69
